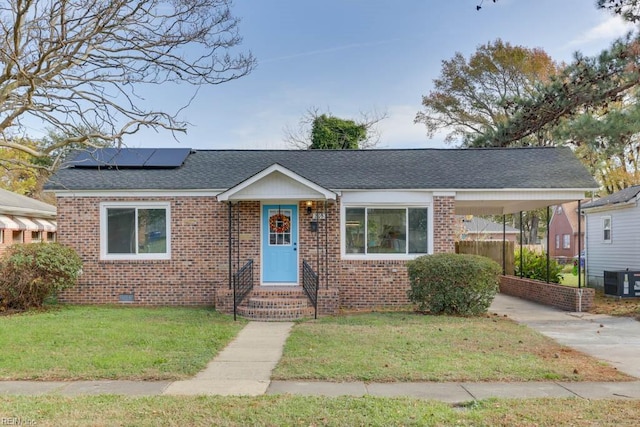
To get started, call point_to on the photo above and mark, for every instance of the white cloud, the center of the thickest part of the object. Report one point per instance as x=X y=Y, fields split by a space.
x=605 y=32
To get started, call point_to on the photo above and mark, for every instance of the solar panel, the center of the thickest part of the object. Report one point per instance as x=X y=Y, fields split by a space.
x=168 y=157
x=93 y=158
x=132 y=158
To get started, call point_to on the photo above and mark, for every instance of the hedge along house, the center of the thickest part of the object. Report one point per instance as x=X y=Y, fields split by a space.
x=180 y=226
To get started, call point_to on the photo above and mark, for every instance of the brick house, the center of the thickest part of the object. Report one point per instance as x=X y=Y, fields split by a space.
x=177 y=226
x=25 y=220
x=563 y=232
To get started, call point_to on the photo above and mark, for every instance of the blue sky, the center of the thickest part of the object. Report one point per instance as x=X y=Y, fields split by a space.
x=353 y=56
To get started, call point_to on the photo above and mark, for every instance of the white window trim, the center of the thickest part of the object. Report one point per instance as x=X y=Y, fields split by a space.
x=604 y=219
x=129 y=257
x=566 y=241
x=384 y=256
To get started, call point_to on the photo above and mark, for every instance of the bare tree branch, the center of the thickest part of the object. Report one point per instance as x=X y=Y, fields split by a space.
x=74 y=66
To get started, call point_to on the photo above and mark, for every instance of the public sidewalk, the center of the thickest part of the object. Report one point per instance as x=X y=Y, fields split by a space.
x=244 y=366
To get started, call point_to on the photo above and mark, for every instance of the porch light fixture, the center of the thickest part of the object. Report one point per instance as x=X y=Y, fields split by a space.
x=309 y=207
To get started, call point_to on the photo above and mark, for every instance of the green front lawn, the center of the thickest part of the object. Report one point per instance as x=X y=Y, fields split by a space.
x=287 y=410
x=413 y=347
x=90 y=342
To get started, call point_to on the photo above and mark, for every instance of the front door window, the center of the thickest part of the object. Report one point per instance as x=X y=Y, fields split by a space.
x=279 y=227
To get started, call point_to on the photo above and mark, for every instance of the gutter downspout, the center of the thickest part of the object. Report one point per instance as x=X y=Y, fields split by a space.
x=521 y=248
x=580 y=290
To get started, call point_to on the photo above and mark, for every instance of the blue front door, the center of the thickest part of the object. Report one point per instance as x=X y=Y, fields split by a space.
x=279 y=244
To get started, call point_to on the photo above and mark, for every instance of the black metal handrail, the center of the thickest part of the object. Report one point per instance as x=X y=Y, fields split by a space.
x=310 y=284
x=242 y=285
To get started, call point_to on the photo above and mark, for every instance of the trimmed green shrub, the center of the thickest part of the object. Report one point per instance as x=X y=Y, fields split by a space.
x=534 y=266
x=453 y=283
x=34 y=271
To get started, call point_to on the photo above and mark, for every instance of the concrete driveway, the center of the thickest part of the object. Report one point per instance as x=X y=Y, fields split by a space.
x=615 y=340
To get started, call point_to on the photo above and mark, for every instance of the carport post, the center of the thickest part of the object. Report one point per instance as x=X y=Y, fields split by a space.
x=521 y=246
x=229 y=243
x=504 y=244
x=548 y=272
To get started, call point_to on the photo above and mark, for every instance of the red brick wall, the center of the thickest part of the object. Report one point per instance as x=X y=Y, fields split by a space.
x=245 y=239
x=200 y=253
x=320 y=249
x=563 y=297
x=199 y=245
x=444 y=223
x=370 y=284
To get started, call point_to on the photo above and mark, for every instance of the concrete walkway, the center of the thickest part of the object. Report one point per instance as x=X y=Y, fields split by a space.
x=244 y=366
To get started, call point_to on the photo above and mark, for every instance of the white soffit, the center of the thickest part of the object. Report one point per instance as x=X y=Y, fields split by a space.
x=512 y=201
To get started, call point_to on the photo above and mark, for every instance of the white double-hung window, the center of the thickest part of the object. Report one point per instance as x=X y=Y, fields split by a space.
x=606 y=229
x=135 y=230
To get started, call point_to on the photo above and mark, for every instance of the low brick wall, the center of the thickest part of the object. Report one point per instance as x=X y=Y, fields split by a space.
x=564 y=297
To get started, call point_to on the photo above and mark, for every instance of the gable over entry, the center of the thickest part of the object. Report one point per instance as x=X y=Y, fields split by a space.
x=276 y=183
x=280 y=191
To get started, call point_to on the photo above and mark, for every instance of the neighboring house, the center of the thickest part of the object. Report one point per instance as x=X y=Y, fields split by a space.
x=613 y=234
x=475 y=228
x=173 y=226
x=563 y=232
x=25 y=220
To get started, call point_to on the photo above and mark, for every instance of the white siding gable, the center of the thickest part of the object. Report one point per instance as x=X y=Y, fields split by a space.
x=277 y=186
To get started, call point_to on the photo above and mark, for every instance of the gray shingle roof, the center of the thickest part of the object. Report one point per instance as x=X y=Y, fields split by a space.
x=621 y=196
x=15 y=203
x=540 y=167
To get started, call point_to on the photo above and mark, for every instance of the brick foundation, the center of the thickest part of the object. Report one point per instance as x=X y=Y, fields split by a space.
x=563 y=297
